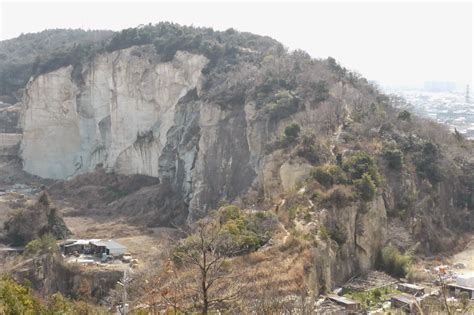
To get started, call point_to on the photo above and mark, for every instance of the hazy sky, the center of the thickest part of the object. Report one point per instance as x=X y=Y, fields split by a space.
x=390 y=42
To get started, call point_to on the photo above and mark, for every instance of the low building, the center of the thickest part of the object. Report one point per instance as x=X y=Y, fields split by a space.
x=70 y=247
x=411 y=289
x=464 y=283
x=456 y=290
x=108 y=247
x=93 y=247
x=466 y=279
x=348 y=304
x=403 y=301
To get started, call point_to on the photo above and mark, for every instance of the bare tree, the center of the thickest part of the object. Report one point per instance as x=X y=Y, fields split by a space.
x=205 y=253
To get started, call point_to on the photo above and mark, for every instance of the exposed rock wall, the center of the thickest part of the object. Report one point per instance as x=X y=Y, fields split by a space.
x=119 y=116
x=135 y=115
x=9 y=144
x=364 y=231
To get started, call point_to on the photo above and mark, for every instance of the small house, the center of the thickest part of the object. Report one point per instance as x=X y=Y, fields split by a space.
x=403 y=301
x=108 y=247
x=411 y=289
x=79 y=246
x=464 y=283
x=348 y=304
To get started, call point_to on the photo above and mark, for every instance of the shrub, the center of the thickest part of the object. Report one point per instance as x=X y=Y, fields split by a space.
x=393 y=262
x=360 y=163
x=394 y=158
x=328 y=175
x=246 y=231
x=339 y=197
x=18 y=299
x=292 y=212
x=315 y=91
x=323 y=177
x=44 y=245
x=404 y=115
x=283 y=105
x=428 y=164
x=338 y=234
x=365 y=187
x=313 y=151
x=292 y=131
x=324 y=232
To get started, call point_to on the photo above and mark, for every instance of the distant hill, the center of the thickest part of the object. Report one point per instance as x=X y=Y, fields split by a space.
x=19 y=57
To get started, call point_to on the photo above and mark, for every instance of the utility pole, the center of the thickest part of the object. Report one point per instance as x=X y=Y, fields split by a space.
x=468 y=99
x=123 y=309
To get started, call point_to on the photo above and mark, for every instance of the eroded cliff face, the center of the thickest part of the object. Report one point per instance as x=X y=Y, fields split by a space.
x=364 y=231
x=132 y=114
x=119 y=116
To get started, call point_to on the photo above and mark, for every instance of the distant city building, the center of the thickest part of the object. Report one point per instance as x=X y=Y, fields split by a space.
x=439 y=86
x=449 y=108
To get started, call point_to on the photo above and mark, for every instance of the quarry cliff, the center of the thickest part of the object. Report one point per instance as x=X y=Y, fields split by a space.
x=235 y=118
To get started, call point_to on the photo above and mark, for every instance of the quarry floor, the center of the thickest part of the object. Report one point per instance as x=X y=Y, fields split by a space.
x=148 y=245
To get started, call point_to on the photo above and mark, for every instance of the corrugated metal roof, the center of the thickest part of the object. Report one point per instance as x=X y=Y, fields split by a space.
x=110 y=244
x=342 y=299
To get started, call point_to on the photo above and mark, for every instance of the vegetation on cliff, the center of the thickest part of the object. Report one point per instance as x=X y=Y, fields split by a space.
x=16 y=298
x=35 y=221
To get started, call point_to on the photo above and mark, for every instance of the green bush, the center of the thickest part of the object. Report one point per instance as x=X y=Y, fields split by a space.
x=44 y=245
x=360 y=163
x=283 y=105
x=365 y=187
x=20 y=299
x=248 y=232
x=328 y=175
x=313 y=151
x=428 y=163
x=316 y=91
x=404 y=115
x=393 y=262
x=394 y=158
x=292 y=131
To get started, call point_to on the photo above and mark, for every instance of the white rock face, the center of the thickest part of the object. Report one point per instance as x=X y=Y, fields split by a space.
x=119 y=117
x=51 y=136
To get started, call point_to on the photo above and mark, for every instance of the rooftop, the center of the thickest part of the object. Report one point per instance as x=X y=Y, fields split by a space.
x=110 y=244
x=407 y=299
x=342 y=300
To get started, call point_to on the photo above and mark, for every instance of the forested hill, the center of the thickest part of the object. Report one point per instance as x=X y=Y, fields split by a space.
x=33 y=54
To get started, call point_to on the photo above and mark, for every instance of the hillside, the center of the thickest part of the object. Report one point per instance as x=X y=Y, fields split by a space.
x=160 y=125
x=24 y=56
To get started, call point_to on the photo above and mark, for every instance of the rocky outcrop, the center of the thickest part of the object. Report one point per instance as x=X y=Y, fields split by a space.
x=119 y=116
x=362 y=232
x=49 y=274
x=34 y=222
